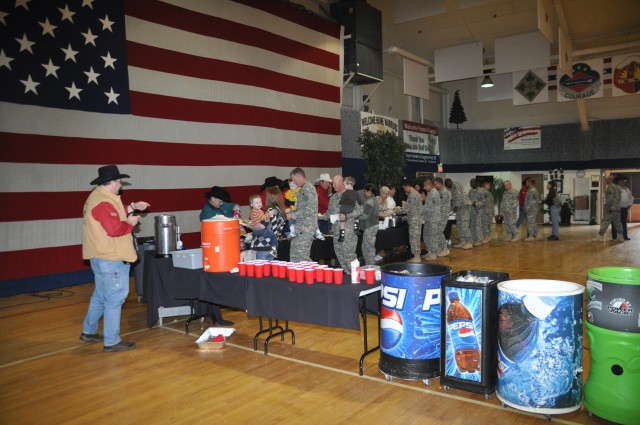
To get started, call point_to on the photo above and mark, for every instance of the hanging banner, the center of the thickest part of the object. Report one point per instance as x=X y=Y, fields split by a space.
x=586 y=82
x=378 y=123
x=530 y=87
x=423 y=142
x=522 y=138
x=626 y=75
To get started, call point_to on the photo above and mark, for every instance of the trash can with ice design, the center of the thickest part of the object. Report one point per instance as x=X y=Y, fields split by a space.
x=540 y=345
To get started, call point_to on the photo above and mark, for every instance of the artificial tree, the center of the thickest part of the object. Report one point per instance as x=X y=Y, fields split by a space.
x=457 y=115
x=384 y=157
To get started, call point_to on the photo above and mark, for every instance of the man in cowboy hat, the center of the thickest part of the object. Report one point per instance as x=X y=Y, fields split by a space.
x=108 y=245
x=272 y=181
x=218 y=203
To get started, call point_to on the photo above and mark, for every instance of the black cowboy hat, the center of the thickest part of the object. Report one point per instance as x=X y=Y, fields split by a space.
x=218 y=192
x=270 y=181
x=107 y=174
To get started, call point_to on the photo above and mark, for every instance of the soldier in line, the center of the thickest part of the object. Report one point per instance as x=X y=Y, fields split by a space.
x=305 y=215
x=369 y=223
x=488 y=211
x=476 y=217
x=432 y=220
x=531 y=206
x=413 y=208
x=611 y=210
x=445 y=211
x=461 y=206
x=345 y=250
x=509 y=210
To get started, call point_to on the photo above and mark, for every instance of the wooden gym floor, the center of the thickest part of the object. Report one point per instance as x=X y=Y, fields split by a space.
x=48 y=376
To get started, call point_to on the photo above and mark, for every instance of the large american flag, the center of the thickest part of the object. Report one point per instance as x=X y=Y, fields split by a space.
x=180 y=94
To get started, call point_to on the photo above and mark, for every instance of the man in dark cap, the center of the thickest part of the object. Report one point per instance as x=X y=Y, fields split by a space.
x=218 y=203
x=108 y=245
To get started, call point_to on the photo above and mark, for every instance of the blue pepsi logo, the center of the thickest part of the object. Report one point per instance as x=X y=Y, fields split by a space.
x=391 y=328
x=467 y=335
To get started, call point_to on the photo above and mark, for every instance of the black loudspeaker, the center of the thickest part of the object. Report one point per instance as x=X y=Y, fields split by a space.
x=363 y=39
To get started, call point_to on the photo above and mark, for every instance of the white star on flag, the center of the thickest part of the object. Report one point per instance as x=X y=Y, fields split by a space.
x=109 y=61
x=51 y=69
x=2 y=16
x=25 y=44
x=92 y=77
x=29 y=85
x=112 y=97
x=73 y=91
x=5 y=60
x=22 y=3
x=106 y=23
x=66 y=13
x=47 y=27
x=88 y=3
x=69 y=53
x=89 y=38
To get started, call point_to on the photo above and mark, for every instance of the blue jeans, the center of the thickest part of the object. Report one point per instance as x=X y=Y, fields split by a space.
x=521 y=216
x=111 y=291
x=555 y=219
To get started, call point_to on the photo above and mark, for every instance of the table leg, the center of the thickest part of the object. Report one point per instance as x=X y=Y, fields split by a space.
x=363 y=310
x=262 y=331
x=281 y=332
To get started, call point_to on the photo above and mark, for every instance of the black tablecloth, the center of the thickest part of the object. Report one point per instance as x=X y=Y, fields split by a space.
x=322 y=250
x=320 y=304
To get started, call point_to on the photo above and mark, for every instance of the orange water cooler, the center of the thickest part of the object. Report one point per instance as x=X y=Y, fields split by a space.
x=220 y=244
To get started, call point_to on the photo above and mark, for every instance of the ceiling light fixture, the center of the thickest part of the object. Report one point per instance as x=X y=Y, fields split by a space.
x=486 y=82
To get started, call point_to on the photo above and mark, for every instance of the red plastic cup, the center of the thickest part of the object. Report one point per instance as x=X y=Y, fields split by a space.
x=328 y=275
x=267 y=269
x=283 y=270
x=299 y=275
x=370 y=276
x=259 y=270
x=242 y=268
x=251 y=269
x=291 y=273
x=337 y=276
x=309 y=276
x=319 y=274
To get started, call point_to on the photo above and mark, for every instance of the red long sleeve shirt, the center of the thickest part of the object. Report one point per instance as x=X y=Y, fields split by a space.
x=108 y=218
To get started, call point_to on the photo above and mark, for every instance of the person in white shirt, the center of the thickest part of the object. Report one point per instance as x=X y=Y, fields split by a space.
x=626 y=200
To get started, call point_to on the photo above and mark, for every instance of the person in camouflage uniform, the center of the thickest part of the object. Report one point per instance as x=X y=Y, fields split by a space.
x=345 y=250
x=488 y=211
x=611 y=210
x=476 y=198
x=531 y=206
x=445 y=211
x=305 y=215
x=509 y=210
x=369 y=222
x=461 y=206
x=432 y=220
x=413 y=209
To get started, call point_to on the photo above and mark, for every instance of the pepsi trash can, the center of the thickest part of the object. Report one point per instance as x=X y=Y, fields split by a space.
x=469 y=352
x=410 y=321
x=612 y=389
x=540 y=345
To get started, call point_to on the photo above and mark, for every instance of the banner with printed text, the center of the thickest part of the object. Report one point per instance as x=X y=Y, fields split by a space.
x=586 y=82
x=378 y=123
x=522 y=138
x=423 y=142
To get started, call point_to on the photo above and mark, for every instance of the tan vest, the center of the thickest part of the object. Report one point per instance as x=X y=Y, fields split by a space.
x=95 y=241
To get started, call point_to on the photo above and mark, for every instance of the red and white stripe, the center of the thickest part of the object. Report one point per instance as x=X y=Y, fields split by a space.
x=222 y=93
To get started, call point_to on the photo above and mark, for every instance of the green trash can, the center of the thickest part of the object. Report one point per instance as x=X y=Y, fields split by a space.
x=613 y=328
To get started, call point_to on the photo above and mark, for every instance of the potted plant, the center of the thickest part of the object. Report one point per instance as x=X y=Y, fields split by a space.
x=384 y=157
x=497 y=190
